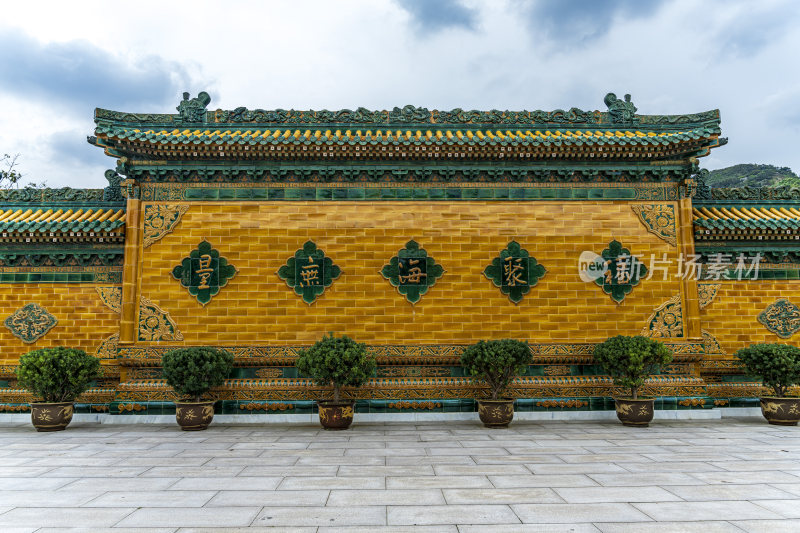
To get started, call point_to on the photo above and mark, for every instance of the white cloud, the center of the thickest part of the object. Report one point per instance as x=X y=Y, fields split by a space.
x=681 y=57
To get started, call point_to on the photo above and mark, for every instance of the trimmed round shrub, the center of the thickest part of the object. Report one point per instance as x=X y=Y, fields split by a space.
x=629 y=360
x=337 y=362
x=193 y=371
x=496 y=362
x=778 y=365
x=57 y=374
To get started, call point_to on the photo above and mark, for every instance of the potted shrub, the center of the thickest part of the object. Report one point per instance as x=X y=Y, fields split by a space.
x=629 y=360
x=496 y=363
x=337 y=362
x=192 y=372
x=57 y=376
x=778 y=366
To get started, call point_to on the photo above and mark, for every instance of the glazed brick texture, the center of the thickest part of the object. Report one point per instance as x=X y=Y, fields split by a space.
x=256 y=306
x=83 y=320
x=732 y=317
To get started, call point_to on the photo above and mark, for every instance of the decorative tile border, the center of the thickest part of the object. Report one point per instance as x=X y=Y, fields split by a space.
x=441 y=192
x=30 y=323
x=60 y=275
x=410 y=354
x=159 y=220
x=659 y=219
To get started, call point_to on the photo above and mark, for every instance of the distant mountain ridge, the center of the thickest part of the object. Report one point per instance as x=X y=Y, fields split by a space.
x=751 y=175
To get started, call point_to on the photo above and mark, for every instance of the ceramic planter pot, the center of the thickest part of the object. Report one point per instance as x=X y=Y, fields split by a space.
x=781 y=411
x=496 y=413
x=194 y=416
x=51 y=416
x=637 y=413
x=335 y=416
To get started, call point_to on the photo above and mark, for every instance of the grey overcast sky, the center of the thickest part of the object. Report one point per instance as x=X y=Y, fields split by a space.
x=60 y=60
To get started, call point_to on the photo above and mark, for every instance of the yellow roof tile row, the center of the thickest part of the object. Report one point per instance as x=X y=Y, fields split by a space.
x=407 y=134
x=60 y=215
x=746 y=213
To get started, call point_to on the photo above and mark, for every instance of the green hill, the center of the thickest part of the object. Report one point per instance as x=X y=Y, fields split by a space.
x=753 y=176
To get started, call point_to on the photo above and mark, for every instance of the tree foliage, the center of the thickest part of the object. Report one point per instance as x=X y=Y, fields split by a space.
x=750 y=175
x=778 y=365
x=629 y=360
x=496 y=362
x=57 y=374
x=338 y=362
x=10 y=176
x=193 y=371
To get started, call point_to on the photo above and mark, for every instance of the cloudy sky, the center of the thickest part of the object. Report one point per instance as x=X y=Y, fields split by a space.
x=60 y=60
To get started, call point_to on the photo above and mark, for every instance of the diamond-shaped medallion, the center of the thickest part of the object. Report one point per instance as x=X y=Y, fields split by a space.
x=30 y=323
x=412 y=271
x=514 y=271
x=781 y=317
x=309 y=272
x=204 y=272
x=621 y=271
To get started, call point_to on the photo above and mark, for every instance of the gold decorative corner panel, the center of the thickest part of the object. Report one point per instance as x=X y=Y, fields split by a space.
x=706 y=292
x=159 y=220
x=666 y=320
x=111 y=297
x=30 y=323
x=155 y=324
x=711 y=344
x=659 y=219
x=108 y=348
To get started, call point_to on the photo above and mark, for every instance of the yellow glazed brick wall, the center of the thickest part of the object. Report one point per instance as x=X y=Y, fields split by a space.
x=732 y=317
x=256 y=306
x=83 y=320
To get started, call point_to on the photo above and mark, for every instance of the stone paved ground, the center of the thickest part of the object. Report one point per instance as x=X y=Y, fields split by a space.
x=710 y=476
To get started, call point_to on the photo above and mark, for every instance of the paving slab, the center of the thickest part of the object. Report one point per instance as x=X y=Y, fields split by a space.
x=450 y=514
x=694 y=511
x=352 y=515
x=423 y=477
x=554 y=513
